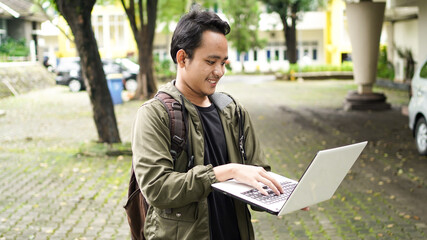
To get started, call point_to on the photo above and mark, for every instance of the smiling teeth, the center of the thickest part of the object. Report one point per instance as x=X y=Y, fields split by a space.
x=212 y=81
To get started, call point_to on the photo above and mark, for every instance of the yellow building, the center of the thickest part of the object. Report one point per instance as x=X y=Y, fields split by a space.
x=337 y=42
x=113 y=34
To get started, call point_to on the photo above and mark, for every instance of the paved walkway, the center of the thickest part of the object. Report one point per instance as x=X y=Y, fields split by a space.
x=54 y=185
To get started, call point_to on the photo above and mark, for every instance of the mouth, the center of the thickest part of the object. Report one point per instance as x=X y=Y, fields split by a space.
x=213 y=81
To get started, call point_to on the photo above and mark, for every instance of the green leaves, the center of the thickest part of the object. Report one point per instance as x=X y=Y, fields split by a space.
x=13 y=47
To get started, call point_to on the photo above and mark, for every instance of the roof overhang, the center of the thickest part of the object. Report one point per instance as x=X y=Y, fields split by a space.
x=6 y=10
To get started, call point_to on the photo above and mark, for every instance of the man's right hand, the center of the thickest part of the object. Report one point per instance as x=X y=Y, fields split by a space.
x=248 y=174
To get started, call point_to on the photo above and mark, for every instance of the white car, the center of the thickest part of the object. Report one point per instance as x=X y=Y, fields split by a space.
x=418 y=108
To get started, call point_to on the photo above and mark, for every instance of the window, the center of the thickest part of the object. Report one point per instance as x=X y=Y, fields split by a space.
x=116 y=30
x=276 y=55
x=314 y=53
x=268 y=55
x=238 y=56
x=3 y=29
x=98 y=29
x=255 y=55
x=305 y=52
x=285 y=55
x=246 y=57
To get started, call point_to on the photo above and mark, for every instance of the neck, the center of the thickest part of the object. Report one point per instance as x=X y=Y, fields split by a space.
x=191 y=95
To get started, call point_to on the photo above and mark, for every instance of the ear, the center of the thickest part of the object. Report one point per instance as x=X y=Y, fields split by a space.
x=180 y=57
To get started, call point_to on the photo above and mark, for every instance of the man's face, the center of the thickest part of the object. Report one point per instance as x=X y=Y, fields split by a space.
x=203 y=72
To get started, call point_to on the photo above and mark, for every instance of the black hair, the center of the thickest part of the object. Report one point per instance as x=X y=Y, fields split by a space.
x=188 y=32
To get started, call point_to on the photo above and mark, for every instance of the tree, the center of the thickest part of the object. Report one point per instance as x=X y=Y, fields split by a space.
x=77 y=13
x=244 y=18
x=288 y=11
x=142 y=19
x=45 y=7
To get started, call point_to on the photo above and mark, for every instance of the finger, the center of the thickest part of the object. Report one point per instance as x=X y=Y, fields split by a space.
x=260 y=188
x=270 y=184
x=274 y=184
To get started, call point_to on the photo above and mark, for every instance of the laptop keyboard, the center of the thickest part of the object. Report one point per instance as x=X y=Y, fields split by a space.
x=271 y=198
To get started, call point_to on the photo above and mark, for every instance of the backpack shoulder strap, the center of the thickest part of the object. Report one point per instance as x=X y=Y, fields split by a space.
x=176 y=123
x=222 y=100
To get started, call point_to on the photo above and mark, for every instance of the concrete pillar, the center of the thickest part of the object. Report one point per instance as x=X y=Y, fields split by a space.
x=365 y=21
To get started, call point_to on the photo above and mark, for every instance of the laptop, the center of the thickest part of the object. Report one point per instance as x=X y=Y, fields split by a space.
x=318 y=183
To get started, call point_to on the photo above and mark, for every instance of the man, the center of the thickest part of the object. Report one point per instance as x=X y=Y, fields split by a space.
x=182 y=204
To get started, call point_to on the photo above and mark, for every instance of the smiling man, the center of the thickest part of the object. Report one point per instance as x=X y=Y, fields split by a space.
x=178 y=189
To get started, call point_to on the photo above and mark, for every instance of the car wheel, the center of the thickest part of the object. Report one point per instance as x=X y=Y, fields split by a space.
x=421 y=136
x=131 y=85
x=74 y=85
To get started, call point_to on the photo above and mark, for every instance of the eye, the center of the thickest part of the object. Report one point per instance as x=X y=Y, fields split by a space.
x=210 y=62
x=223 y=63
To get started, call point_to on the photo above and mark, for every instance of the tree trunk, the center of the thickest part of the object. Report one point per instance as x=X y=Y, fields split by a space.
x=147 y=86
x=291 y=35
x=242 y=59
x=144 y=37
x=78 y=16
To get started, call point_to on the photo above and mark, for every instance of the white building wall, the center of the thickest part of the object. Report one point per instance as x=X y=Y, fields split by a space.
x=272 y=57
x=404 y=29
x=401 y=32
x=422 y=32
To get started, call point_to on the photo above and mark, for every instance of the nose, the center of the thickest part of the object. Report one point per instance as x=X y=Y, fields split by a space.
x=219 y=70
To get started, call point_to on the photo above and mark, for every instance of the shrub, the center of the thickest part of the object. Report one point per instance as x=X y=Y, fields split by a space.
x=344 y=67
x=163 y=69
x=385 y=69
x=16 y=48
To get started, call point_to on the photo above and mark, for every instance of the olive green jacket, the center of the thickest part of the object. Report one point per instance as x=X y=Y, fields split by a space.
x=177 y=197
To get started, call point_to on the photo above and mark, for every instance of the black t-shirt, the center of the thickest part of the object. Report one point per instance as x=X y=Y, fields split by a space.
x=222 y=214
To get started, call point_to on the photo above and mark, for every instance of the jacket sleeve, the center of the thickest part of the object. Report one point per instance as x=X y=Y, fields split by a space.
x=154 y=167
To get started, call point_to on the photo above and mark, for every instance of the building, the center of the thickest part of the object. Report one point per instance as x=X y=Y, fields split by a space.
x=113 y=34
x=20 y=19
x=310 y=44
x=404 y=28
x=322 y=36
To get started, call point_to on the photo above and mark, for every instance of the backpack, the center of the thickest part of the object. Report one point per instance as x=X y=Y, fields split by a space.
x=136 y=206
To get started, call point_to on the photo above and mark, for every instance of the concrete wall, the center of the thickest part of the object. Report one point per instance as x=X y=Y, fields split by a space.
x=21 y=77
x=401 y=31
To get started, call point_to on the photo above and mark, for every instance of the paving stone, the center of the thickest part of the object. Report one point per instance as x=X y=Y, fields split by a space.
x=49 y=196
